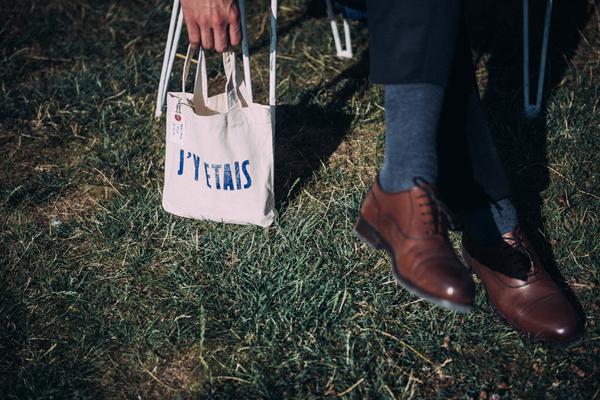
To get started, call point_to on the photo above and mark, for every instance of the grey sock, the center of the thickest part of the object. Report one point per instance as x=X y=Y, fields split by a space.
x=411 y=115
x=488 y=223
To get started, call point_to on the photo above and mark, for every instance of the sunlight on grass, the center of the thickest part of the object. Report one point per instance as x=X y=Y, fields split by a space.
x=103 y=294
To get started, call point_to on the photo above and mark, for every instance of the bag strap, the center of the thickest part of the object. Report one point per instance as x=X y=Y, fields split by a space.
x=235 y=88
x=231 y=85
x=246 y=50
x=201 y=81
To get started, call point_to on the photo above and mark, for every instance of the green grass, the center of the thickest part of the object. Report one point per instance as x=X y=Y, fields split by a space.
x=104 y=295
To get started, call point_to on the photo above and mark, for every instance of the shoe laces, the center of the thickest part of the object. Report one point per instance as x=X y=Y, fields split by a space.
x=438 y=213
x=518 y=257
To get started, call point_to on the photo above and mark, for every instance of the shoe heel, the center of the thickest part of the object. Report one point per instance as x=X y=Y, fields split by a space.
x=367 y=234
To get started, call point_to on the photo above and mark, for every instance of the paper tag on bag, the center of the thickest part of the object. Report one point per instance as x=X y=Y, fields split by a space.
x=177 y=128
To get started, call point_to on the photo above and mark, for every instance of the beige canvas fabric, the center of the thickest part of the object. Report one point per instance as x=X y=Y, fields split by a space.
x=219 y=151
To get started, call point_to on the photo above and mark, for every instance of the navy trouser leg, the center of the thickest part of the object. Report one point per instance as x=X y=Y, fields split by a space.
x=470 y=171
x=425 y=41
x=412 y=41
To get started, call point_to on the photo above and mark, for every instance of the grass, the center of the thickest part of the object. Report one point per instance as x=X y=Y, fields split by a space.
x=104 y=295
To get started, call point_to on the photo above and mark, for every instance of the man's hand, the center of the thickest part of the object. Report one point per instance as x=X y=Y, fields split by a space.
x=212 y=23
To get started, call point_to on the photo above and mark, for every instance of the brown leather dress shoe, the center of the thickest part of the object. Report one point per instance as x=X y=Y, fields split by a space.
x=413 y=228
x=521 y=291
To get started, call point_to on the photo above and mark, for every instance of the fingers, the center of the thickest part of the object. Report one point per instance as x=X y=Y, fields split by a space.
x=221 y=38
x=193 y=31
x=212 y=24
x=235 y=34
x=207 y=37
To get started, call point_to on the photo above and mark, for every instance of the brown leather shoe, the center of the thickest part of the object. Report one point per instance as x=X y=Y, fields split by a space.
x=412 y=227
x=521 y=291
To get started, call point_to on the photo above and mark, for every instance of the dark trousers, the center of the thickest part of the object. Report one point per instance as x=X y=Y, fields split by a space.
x=426 y=41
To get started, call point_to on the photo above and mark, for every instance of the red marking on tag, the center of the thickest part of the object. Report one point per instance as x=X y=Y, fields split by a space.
x=177 y=117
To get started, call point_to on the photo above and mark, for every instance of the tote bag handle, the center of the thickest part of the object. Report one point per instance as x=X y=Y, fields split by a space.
x=200 y=94
x=245 y=58
x=200 y=74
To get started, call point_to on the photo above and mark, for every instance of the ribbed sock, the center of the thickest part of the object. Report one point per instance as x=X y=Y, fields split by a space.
x=489 y=223
x=412 y=112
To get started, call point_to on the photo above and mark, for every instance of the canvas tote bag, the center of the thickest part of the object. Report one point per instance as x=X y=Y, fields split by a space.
x=219 y=150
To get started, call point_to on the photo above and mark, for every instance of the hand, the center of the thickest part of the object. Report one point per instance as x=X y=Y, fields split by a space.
x=212 y=23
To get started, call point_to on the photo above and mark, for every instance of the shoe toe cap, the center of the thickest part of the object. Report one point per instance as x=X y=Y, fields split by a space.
x=448 y=282
x=460 y=290
x=554 y=320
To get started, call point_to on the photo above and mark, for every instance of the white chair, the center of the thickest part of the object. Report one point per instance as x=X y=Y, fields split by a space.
x=174 y=36
x=340 y=52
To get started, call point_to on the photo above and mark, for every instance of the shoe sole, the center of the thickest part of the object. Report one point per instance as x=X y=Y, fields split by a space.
x=468 y=260
x=366 y=233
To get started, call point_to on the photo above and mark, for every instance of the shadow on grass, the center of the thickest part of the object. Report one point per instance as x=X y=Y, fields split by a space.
x=496 y=29
x=315 y=9
x=308 y=133
x=13 y=332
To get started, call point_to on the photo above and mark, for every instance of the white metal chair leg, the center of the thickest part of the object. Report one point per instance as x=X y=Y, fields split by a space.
x=273 y=57
x=533 y=109
x=340 y=52
x=163 y=73
x=172 y=53
x=272 y=54
x=172 y=56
